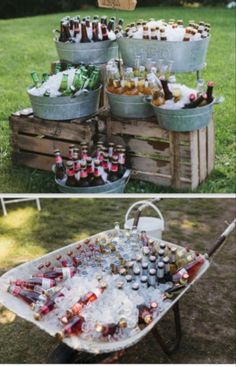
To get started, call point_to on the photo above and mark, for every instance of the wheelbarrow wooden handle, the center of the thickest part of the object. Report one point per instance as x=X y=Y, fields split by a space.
x=222 y=239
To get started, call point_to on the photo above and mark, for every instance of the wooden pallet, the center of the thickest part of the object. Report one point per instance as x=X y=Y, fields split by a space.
x=104 y=99
x=34 y=140
x=180 y=160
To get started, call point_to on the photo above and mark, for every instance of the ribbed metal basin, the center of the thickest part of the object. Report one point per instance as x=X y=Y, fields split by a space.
x=117 y=187
x=129 y=106
x=65 y=108
x=184 y=120
x=187 y=56
x=89 y=53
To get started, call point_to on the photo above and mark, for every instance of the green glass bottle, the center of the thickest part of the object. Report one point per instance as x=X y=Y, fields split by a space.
x=36 y=80
x=45 y=77
x=58 y=68
x=64 y=83
x=93 y=81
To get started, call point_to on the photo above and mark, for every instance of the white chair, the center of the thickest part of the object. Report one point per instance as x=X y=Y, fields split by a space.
x=5 y=202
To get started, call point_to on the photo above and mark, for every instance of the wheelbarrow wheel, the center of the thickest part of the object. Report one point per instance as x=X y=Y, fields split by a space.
x=64 y=354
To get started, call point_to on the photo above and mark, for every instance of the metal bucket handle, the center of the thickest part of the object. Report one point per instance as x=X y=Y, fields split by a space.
x=219 y=100
x=145 y=204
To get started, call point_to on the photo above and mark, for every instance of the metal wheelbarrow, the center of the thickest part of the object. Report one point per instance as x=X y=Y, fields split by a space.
x=82 y=351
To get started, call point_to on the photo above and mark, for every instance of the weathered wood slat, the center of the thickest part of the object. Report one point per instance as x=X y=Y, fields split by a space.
x=210 y=147
x=194 y=150
x=149 y=165
x=33 y=160
x=202 y=146
x=53 y=129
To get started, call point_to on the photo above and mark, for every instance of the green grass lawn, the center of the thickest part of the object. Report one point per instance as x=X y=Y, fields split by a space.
x=26 y=45
x=207 y=311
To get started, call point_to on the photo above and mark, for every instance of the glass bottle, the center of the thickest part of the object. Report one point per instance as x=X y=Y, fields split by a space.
x=145 y=33
x=30 y=297
x=84 y=33
x=173 y=265
x=71 y=180
x=84 y=180
x=114 y=174
x=105 y=36
x=144 y=314
x=152 y=277
x=168 y=94
x=97 y=180
x=210 y=87
x=36 y=80
x=158 y=98
x=59 y=165
x=64 y=83
x=160 y=273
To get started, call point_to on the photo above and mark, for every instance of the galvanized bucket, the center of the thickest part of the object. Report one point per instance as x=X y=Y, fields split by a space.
x=186 y=56
x=185 y=119
x=89 y=53
x=129 y=106
x=66 y=108
x=117 y=187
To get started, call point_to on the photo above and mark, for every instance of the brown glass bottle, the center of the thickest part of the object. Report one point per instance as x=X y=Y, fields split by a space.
x=105 y=36
x=167 y=92
x=201 y=100
x=121 y=162
x=114 y=174
x=71 y=180
x=84 y=34
x=95 y=37
x=209 y=92
x=84 y=180
x=59 y=168
x=97 y=180
x=90 y=170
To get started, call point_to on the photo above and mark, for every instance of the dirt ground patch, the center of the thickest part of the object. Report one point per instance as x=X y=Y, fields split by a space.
x=207 y=311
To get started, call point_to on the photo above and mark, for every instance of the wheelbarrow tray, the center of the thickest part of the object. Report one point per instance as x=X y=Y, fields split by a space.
x=78 y=342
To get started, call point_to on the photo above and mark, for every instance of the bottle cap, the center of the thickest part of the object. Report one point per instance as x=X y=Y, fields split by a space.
x=144 y=278
x=152 y=272
x=60 y=335
x=135 y=287
x=161 y=265
x=128 y=278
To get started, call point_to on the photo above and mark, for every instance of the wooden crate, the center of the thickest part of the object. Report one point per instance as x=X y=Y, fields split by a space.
x=180 y=160
x=104 y=99
x=34 y=140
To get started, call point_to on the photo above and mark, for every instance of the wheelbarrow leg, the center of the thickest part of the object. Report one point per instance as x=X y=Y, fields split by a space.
x=178 y=334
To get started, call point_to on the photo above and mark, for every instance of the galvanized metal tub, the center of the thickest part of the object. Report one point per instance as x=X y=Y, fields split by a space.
x=117 y=187
x=184 y=119
x=65 y=108
x=187 y=56
x=89 y=53
x=129 y=106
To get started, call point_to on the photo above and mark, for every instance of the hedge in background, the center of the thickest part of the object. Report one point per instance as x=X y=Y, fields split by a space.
x=21 y=8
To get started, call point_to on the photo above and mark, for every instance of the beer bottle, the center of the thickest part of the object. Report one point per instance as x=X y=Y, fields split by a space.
x=84 y=34
x=137 y=66
x=45 y=77
x=114 y=174
x=111 y=26
x=201 y=100
x=84 y=180
x=144 y=314
x=145 y=33
x=158 y=98
x=160 y=273
x=90 y=170
x=173 y=265
x=95 y=37
x=168 y=94
x=209 y=92
x=104 y=20
x=167 y=274
x=36 y=80
x=94 y=80
x=163 y=36
x=76 y=29
x=180 y=23
x=27 y=296
x=105 y=162
x=64 y=83
x=97 y=180
x=121 y=163
x=59 y=167
x=105 y=36
x=74 y=327
x=71 y=152
x=111 y=147
x=152 y=278
x=71 y=180
x=154 y=34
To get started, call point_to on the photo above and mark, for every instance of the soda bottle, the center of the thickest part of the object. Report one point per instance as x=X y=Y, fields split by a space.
x=107 y=330
x=48 y=306
x=83 y=301
x=71 y=180
x=201 y=100
x=145 y=315
x=114 y=174
x=74 y=327
x=59 y=166
x=121 y=162
x=97 y=180
x=62 y=273
x=32 y=282
x=84 y=180
x=27 y=296
x=71 y=152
